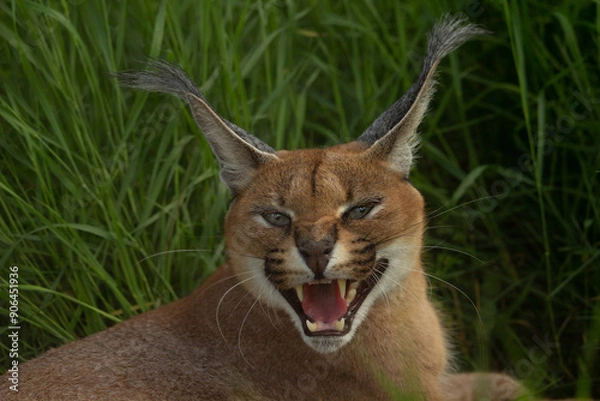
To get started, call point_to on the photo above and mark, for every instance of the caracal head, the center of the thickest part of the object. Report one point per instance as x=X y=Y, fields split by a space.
x=322 y=234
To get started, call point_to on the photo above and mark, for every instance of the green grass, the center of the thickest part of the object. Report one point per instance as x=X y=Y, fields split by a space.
x=110 y=203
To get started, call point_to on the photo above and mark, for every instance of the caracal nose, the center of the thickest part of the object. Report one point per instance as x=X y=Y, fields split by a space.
x=316 y=254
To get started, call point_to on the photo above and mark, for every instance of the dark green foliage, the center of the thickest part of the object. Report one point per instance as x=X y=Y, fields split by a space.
x=110 y=203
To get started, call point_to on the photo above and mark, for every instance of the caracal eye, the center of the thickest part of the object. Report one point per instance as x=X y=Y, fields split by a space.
x=359 y=212
x=276 y=219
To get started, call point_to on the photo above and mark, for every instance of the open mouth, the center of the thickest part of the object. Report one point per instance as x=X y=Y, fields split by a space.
x=328 y=307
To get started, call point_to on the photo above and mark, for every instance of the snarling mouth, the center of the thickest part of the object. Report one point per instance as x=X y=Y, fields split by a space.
x=328 y=307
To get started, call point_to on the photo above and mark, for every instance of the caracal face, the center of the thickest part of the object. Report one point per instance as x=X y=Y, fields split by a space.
x=323 y=235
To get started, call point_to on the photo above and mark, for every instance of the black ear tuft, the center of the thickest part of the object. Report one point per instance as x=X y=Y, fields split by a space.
x=394 y=133
x=239 y=153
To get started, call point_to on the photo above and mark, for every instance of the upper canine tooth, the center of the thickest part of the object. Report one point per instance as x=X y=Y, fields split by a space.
x=339 y=324
x=299 y=292
x=342 y=285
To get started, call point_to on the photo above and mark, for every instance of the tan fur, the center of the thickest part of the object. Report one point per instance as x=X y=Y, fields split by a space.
x=304 y=219
x=221 y=343
x=479 y=386
x=177 y=352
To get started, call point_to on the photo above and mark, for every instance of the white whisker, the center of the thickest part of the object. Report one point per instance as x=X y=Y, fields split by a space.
x=233 y=276
x=221 y=301
x=449 y=284
x=439 y=212
x=399 y=284
x=139 y=262
x=242 y=328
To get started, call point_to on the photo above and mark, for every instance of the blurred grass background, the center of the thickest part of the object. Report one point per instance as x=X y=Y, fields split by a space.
x=110 y=203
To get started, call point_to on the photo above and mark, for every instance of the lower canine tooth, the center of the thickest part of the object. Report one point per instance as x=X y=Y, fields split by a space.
x=339 y=324
x=312 y=327
x=350 y=295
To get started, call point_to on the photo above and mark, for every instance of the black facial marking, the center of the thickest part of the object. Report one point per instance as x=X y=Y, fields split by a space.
x=273 y=263
x=313 y=178
x=273 y=273
x=365 y=249
x=362 y=272
x=364 y=262
x=349 y=195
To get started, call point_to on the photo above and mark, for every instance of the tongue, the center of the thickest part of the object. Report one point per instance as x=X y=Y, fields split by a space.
x=323 y=302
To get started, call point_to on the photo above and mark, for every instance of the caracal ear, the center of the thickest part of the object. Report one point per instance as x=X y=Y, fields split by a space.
x=239 y=153
x=393 y=135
